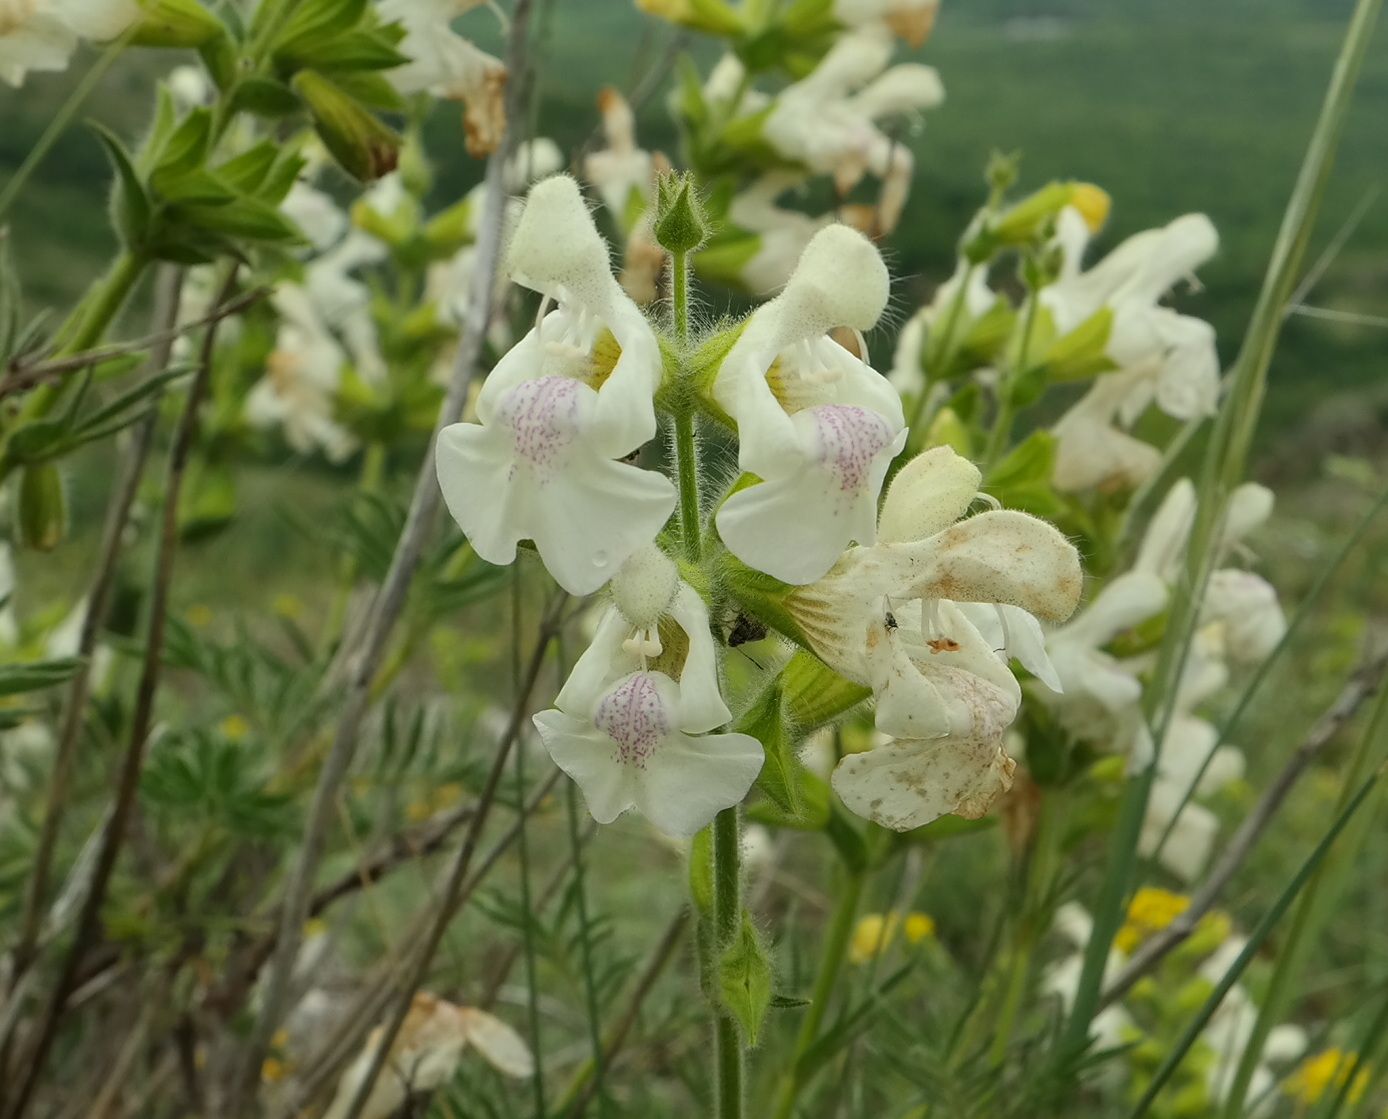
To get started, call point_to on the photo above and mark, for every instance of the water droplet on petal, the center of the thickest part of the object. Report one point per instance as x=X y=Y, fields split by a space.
x=599 y=559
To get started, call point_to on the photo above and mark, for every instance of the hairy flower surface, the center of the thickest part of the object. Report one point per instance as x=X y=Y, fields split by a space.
x=560 y=411
x=946 y=702
x=816 y=424
x=927 y=553
x=632 y=720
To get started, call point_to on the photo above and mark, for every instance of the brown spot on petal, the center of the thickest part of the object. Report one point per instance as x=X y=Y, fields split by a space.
x=913 y=24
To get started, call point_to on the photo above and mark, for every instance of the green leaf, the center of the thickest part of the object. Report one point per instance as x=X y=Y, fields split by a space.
x=779 y=778
x=814 y=693
x=247 y=218
x=370 y=88
x=9 y=301
x=247 y=172
x=701 y=870
x=185 y=150
x=265 y=97
x=317 y=20
x=17 y=678
x=344 y=54
x=198 y=187
x=744 y=979
x=131 y=209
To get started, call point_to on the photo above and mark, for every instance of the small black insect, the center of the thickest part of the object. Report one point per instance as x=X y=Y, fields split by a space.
x=745 y=629
x=890 y=621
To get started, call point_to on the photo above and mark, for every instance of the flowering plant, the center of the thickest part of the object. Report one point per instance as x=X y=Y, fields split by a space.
x=903 y=673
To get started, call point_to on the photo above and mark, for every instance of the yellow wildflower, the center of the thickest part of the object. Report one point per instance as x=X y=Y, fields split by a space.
x=1328 y=1069
x=234 y=727
x=874 y=932
x=198 y=615
x=288 y=606
x=1151 y=910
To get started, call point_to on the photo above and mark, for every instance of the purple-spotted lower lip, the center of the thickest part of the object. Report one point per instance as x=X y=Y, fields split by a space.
x=542 y=416
x=634 y=716
x=848 y=438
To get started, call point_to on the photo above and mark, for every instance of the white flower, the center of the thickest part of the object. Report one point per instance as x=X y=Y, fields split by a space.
x=344 y=303
x=572 y=398
x=321 y=219
x=945 y=701
x=1092 y=451
x=426 y=1053
x=926 y=553
x=302 y=376
x=1176 y=353
x=911 y=19
x=1112 y=1026
x=815 y=424
x=1102 y=696
x=447 y=65
x=822 y=124
x=622 y=173
x=42 y=34
x=908 y=375
x=759 y=245
x=632 y=719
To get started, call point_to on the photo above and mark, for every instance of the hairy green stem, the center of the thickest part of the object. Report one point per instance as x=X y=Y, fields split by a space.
x=840 y=932
x=727 y=915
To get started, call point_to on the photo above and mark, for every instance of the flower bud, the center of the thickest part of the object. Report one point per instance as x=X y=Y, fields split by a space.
x=361 y=144
x=175 y=23
x=716 y=17
x=929 y=493
x=42 y=507
x=680 y=226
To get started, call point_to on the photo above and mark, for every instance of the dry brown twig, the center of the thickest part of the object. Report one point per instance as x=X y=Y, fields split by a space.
x=88 y=920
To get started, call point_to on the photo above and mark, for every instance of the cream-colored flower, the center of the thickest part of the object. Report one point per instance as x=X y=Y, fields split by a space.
x=426 y=1053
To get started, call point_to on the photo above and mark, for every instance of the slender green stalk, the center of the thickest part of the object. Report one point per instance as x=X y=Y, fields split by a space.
x=686 y=440
x=687 y=460
x=727 y=914
x=1314 y=909
x=58 y=125
x=1264 y=928
x=1224 y=464
x=1040 y=873
x=679 y=294
x=1287 y=641
x=1007 y=406
x=90 y=321
x=943 y=345
x=831 y=959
